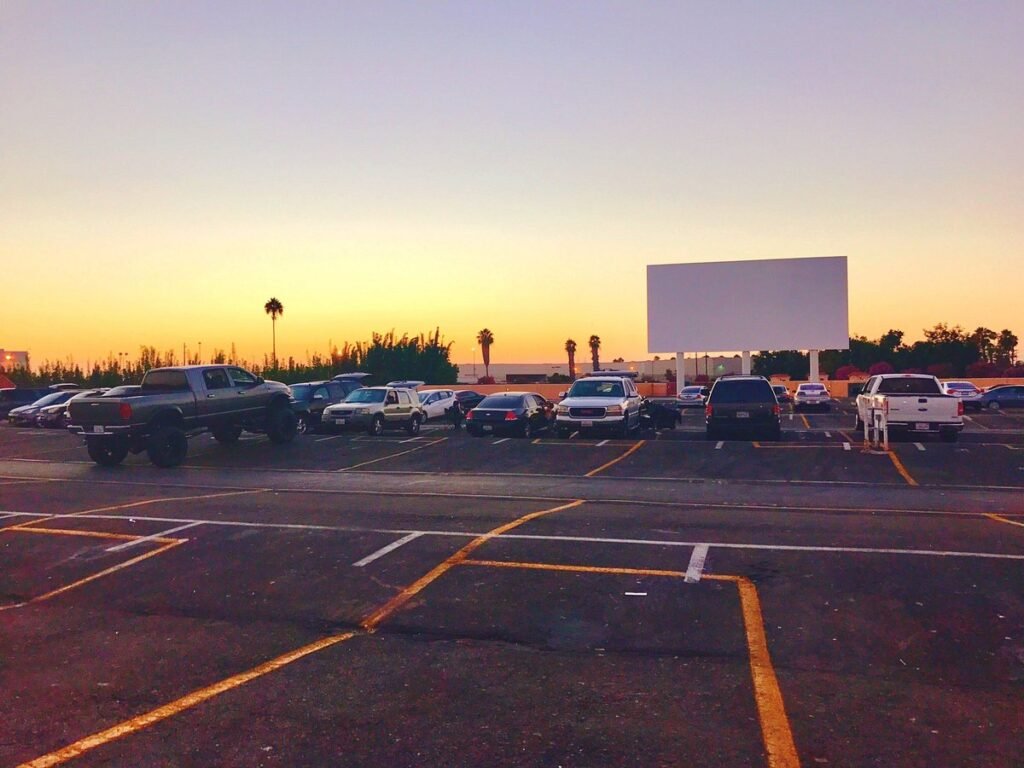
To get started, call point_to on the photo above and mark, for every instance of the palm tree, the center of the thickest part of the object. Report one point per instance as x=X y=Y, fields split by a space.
x=595 y=347
x=273 y=307
x=485 y=338
x=570 y=347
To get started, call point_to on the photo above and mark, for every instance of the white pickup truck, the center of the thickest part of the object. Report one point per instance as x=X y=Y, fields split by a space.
x=911 y=403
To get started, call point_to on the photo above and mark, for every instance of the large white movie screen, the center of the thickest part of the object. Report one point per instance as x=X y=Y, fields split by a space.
x=730 y=306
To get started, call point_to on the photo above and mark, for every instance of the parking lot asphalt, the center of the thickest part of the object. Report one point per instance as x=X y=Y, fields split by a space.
x=446 y=600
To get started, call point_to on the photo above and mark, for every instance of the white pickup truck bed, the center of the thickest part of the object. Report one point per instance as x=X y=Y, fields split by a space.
x=914 y=403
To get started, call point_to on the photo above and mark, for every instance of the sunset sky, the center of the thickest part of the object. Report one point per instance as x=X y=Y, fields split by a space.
x=166 y=167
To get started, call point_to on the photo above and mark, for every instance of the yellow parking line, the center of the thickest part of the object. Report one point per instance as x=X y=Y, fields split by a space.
x=93 y=577
x=1001 y=519
x=574 y=568
x=89 y=534
x=132 y=505
x=393 y=455
x=805 y=421
x=901 y=469
x=179 y=705
x=616 y=460
x=771 y=709
x=371 y=622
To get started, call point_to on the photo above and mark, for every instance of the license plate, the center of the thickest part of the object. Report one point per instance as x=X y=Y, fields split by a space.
x=742 y=414
x=98 y=429
x=586 y=423
x=921 y=427
x=488 y=427
x=340 y=419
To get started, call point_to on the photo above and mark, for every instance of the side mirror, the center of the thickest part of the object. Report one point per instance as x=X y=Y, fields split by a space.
x=259 y=380
x=562 y=395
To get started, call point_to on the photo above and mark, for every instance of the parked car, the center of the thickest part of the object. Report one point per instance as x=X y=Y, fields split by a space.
x=436 y=402
x=1002 y=396
x=609 y=402
x=468 y=399
x=375 y=409
x=25 y=415
x=663 y=412
x=969 y=394
x=310 y=398
x=693 y=396
x=16 y=397
x=782 y=394
x=176 y=403
x=56 y=416
x=522 y=414
x=812 y=395
x=743 y=405
x=352 y=381
x=911 y=402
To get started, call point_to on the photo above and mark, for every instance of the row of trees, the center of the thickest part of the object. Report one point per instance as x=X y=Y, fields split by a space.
x=945 y=351
x=386 y=356
x=485 y=338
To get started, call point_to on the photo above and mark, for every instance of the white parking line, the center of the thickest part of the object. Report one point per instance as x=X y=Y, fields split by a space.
x=331 y=437
x=719 y=444
x=385 y=550
x=968 y=418
x=603 y=442
x=828 y=434
x=846 y=446
x=503 y=440
x=919 y=446
x=144 y=539
x=696 y=566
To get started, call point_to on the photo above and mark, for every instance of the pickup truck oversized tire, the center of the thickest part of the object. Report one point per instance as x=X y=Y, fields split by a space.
x=281 y=424
x=107 y=452
x=167 y=447
x=227 y=434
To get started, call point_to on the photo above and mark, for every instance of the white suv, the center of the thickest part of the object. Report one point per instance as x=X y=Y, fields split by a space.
x=599 y=402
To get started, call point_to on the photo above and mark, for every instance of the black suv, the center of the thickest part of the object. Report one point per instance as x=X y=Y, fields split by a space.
x=743 y=405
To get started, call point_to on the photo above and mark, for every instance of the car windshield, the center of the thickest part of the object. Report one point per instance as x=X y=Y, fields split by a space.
x=366 y=396
x=52 y=399
x=500 y=401
x=691 y=390
x=592 y=388
x=742 y=392
x=780 y=389
x=960 y=385
x=301 y=391
x=908 y=386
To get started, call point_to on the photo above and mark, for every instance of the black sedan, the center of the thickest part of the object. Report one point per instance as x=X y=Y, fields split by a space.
x=522 y=414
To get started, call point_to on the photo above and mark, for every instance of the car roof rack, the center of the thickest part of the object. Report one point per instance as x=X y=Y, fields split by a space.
x=405 y=384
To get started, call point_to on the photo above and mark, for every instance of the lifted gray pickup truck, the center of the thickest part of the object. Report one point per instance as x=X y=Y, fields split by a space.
x=174 y=404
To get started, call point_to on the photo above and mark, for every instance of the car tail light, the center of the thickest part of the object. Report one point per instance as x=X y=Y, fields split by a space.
x=511 y=416
x=885 y=408
x=959 y=407
x=469 y=416
x=776 y=410
x=125 y=411
x=708 y=411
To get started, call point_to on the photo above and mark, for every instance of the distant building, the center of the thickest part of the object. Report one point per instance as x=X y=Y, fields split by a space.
x=11 y=359
x=510 y=373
